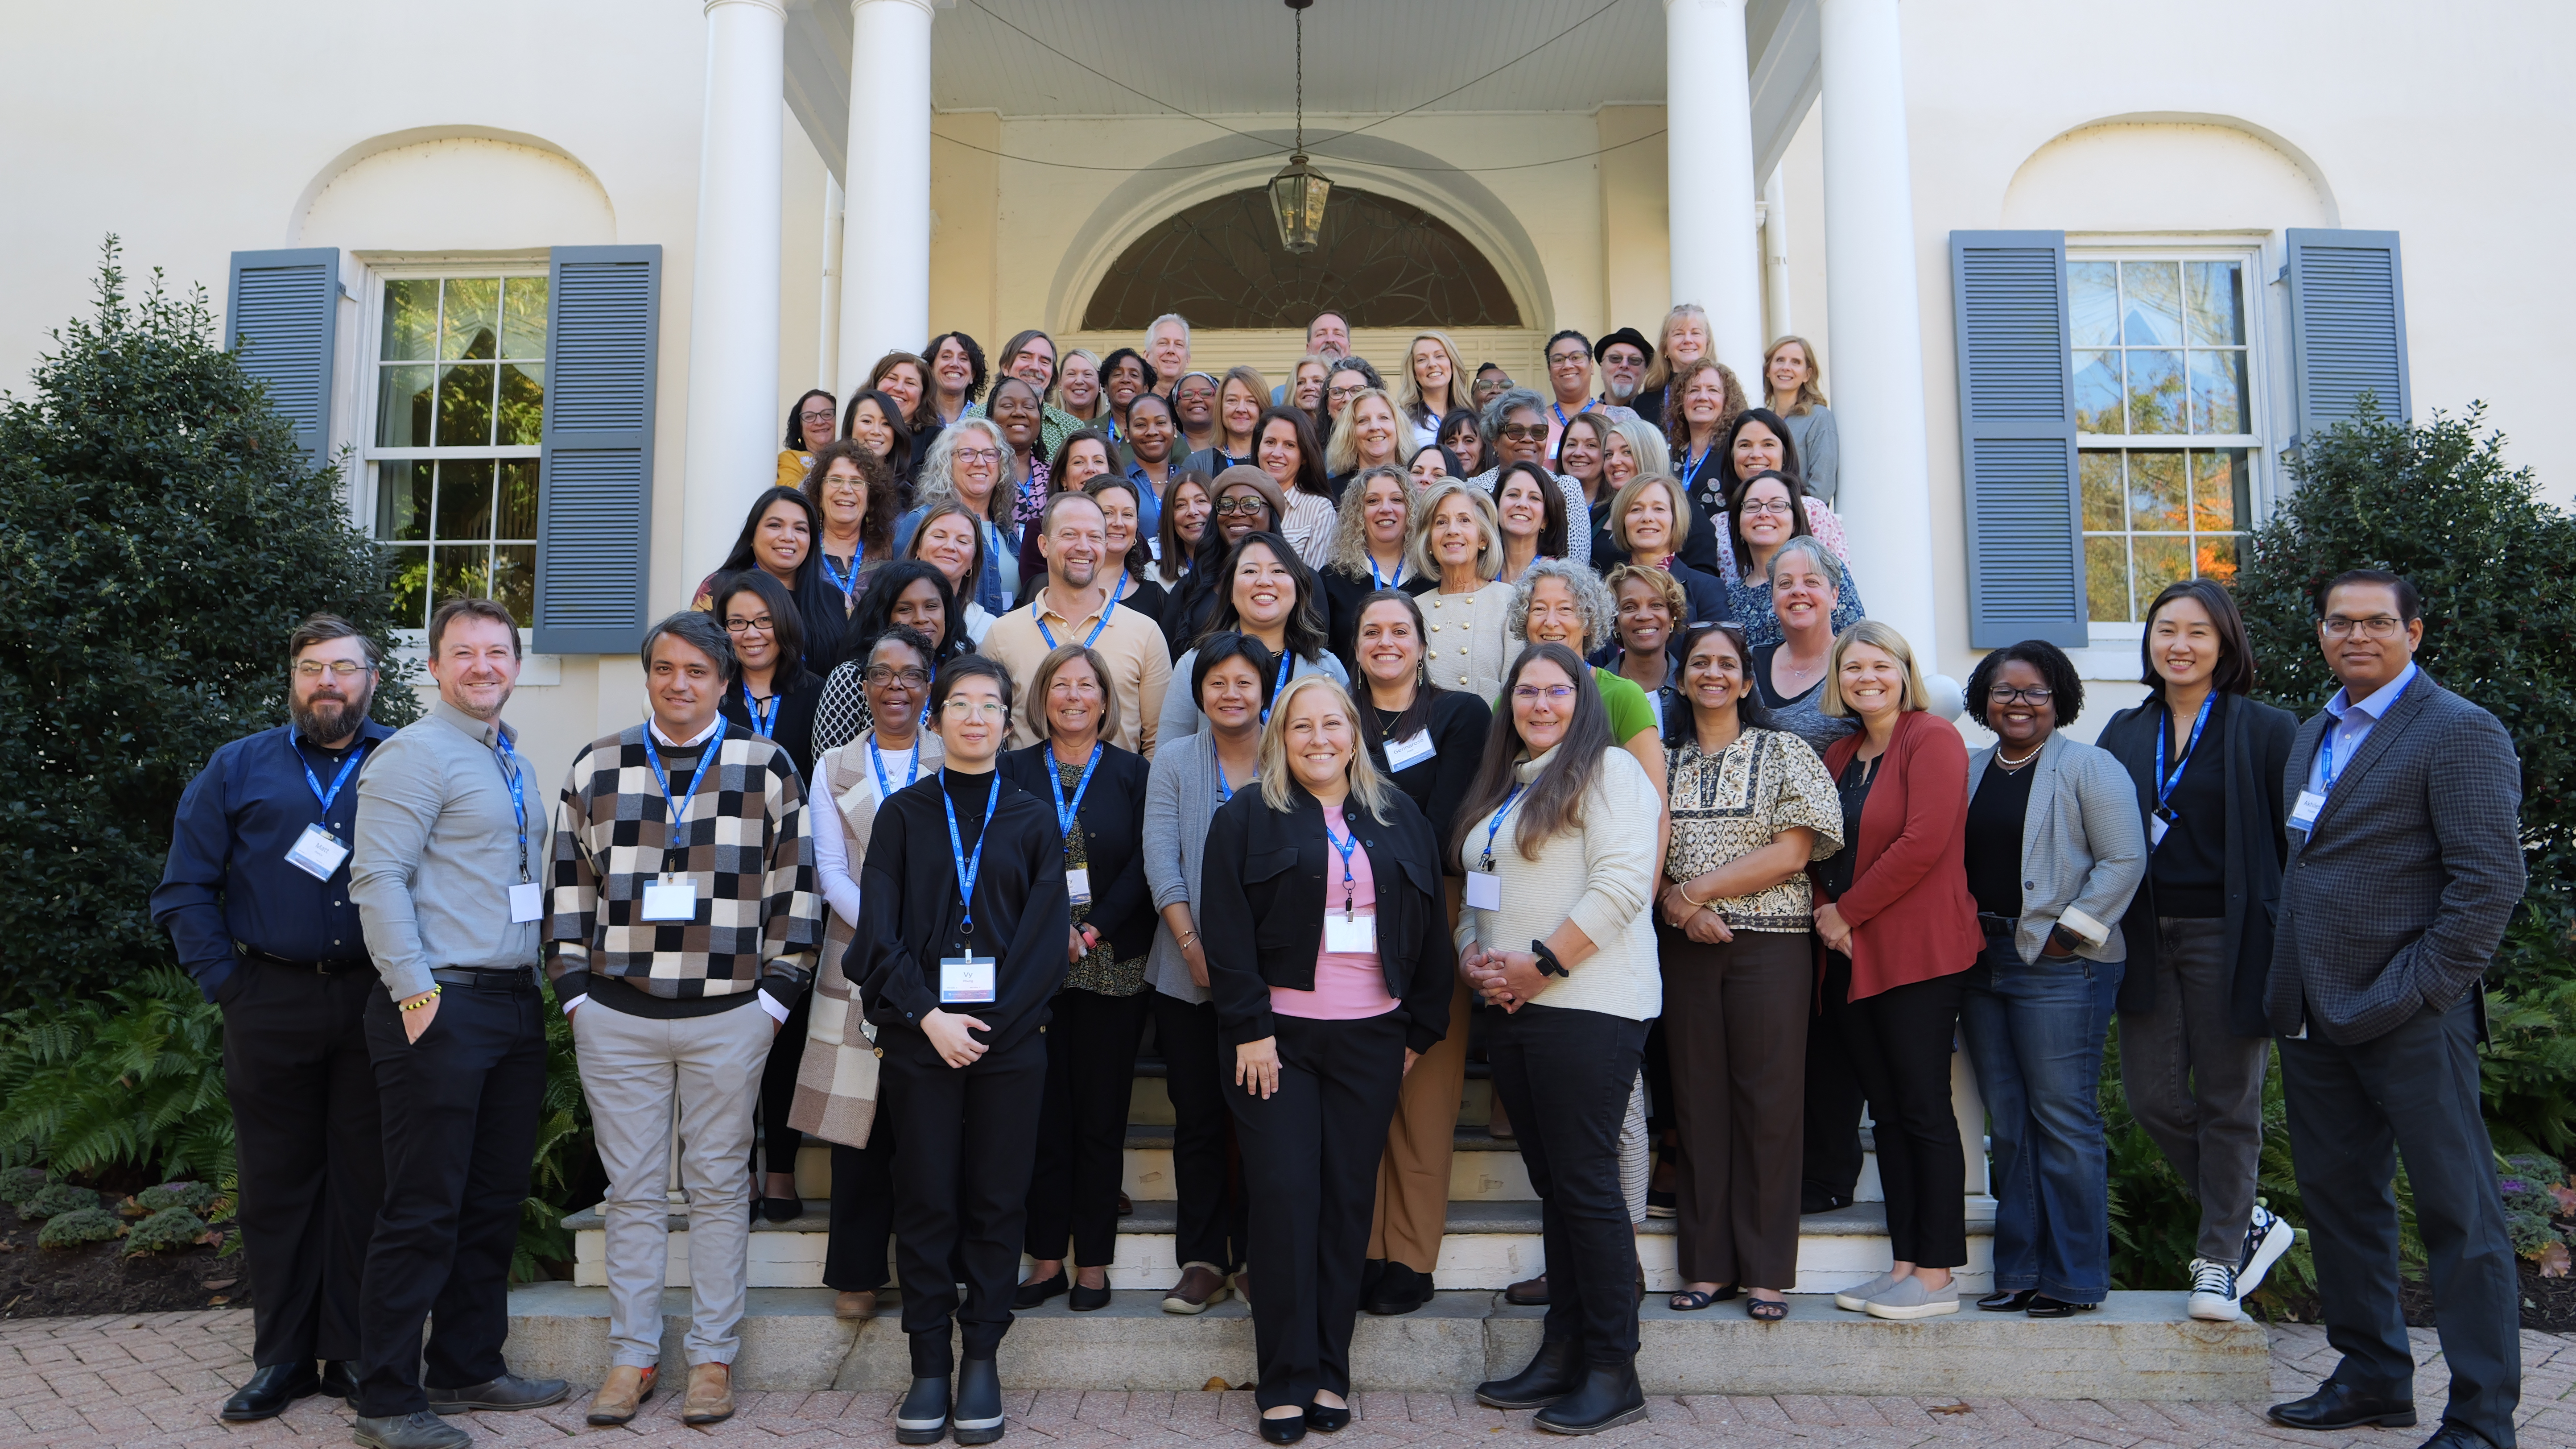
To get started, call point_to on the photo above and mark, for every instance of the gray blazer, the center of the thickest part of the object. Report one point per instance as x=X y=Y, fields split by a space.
x=1180 y=804
x=2083 y=848
x=2395 y=900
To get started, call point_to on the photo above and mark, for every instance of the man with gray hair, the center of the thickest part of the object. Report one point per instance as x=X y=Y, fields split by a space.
x=685 y=925
x=1167 y=347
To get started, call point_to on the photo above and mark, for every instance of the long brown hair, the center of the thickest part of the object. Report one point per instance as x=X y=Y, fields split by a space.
x=1553 y=804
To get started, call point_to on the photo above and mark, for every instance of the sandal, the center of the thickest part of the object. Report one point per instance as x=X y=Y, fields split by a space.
x=1691 y=1300
x=1766 y=1310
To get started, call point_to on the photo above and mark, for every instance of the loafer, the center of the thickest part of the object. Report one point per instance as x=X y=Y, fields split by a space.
x=267 y=1393
x=782 y=1209
x=1325 y=1420
x=1856 y=1300
x=507 y=1392
x=1608 y=1397
x=1552 y=1373
x=977 y=1418
x=1031 y=1294
x=340 y=1380
x=1087 y=1300
x=1527 y=1293
x=2011 y=1301
x=1400 y=1290
x=622 y=1395
x=2452 y=1436
x=922 y=1417
x=1910 y=1300
x=1201 y=1285
x=2043 y=1306
x=710 y=1399
x=419 y=1429
x=2334 y=1406
x=1815 y=1199
x=855 y=1307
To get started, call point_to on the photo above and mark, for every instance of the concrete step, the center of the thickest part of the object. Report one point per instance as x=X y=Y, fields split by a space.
x=1489 y=1245
x=2137 y=1346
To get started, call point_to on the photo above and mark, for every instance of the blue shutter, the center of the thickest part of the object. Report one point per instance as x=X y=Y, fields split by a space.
x=2017 y=438
x=595 y=481
x=2347 y=326
x=282 y=318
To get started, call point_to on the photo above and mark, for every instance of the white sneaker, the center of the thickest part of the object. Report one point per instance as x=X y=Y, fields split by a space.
x=1856 y=1300
x=2213 y=1292
x=2267 y=1237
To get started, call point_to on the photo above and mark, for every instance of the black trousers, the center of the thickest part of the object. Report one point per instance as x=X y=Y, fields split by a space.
x=458 y=1144
x=961 y=1162
x=778 y=1093
x=1310 y=1155
x=2352 y=1110
x=311 y=1152
x=1213 y=1218
x=1565 y=1076
x=1082 y=1128
x=856 y=1252
x=1832 y=1157
x=1900 y=1041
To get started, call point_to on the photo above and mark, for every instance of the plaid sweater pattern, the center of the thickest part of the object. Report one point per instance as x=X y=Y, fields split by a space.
x=746 y=842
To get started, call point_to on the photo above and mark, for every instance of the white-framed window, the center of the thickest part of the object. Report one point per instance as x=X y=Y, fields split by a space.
x=2169 y=443
x=454 y=408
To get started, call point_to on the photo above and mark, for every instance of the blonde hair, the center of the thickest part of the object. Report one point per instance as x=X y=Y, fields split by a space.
x=1661 y=372
x=1810 y=395
x=1342 y=452
x=1489 y=554
x=1409 y=401
x=1884 y=638
x=1626 y=498
x=1646 y=444
x=1348 y=550
x=1366 y=783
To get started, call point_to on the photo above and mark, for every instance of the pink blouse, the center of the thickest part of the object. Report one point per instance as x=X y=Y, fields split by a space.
x=1349 y=985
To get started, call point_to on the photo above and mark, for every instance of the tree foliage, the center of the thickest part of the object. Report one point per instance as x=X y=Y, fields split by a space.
x=160 y=536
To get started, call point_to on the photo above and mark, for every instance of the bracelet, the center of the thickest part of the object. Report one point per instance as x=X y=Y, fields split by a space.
x=1548 y=965
x=423 y=1000
x=1186 y=940
x=1684 y=892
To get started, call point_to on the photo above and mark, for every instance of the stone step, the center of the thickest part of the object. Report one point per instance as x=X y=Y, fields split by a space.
x=2137 y=1346
x=1488 y=1245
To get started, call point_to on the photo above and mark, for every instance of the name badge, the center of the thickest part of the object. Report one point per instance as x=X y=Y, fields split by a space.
x=2304 y=813
x=317 y=852
x=1350 y=935
x=672 y=898
x=1484 y=890
x=965 y=980
x=1404 y=754
x=1077 y=883
x=527 y=903
x=2157 y=825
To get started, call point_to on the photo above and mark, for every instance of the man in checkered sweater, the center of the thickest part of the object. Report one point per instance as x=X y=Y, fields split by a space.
x=676 y=952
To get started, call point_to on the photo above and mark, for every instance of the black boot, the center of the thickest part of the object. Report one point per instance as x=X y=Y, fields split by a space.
x=1609 y=1397
x=269 y=1391
x=922 y=1417
x=1551 y=1375
x=978 y=1416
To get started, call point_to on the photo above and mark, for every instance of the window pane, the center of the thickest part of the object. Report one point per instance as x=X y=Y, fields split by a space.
x=523 y=318
x=2104 y=510
x=2217 y=556
x=2155 y=492
x=2106 y=579
x=523 y=403
x=2160 y=561
x=2215 y=303
x=2155 y=392
x=465 y=405
x=411 y=318
x=518 y=512
x=464 y=500
x=2218 y=403
x=2097 y=393
x=402 y=499
x=514 y=580
x=2093 y=293
x=407 y=570
x=2150 y=298
x=473 y=325
x=2222 y=492
x=402 y=407
x=464 y=570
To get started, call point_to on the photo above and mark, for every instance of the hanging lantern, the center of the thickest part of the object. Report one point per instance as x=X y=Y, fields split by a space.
x=1297 y=197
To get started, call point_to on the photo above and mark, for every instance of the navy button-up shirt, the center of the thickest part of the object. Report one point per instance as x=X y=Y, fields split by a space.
x=228 y=879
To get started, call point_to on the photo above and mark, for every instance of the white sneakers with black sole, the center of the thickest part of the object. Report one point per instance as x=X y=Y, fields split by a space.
x=2213 y=1292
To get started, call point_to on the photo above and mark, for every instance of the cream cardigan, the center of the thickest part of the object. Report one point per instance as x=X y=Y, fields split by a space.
x=1601 y=877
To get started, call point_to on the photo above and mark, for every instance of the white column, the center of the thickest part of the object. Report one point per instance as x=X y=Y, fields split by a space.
x=733 y=293
x=1709 y=188
x=827 y=348
x=1876 y=351
x=1775 y=266
x=885 y=256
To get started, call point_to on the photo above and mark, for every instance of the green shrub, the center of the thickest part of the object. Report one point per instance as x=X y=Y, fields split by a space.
x=55 y=1199
x=72 y=1229
x=133 y=1078
x=18 y=1184
x=174 y=1227
x=194 y=1196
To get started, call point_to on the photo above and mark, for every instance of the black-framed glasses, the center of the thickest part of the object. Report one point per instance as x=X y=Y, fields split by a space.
x=2383 y=627
x=2006 y=694
x=909 y=677
x=764 y=624
x=1243 y=505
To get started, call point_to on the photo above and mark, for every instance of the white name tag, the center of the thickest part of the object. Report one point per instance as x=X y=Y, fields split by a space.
x=1406 y=753
x=1350 y=935
x=2304 y=813
x=317 y=852
x=672 y=898
x=965 y=980
x=527 y=903
x=1484 y=890
x=2156 y=828
x=1077 y=883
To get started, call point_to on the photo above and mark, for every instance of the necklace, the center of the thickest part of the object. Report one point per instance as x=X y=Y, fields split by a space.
x=2011 y=766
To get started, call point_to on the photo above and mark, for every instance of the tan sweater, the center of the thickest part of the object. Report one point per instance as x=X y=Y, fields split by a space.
x=1601 y=877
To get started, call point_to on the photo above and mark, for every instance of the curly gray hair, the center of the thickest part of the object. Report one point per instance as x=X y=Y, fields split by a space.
x=1592 y=601
x=939 y=470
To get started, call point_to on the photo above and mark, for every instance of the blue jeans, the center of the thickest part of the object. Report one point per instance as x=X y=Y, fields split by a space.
x=2035 y=1036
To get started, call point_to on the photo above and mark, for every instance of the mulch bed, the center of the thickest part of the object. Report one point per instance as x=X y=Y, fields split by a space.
x=2548 y=1304
x=98 y=1277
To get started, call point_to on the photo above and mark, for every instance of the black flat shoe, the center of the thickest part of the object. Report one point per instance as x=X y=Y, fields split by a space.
x=269 y=1391
x=782 y=1209
x=922 y=1417
x=2334 y=1406
x=1087 y=1300
x=977 y=1419
x=1039 y=1290
x=2043 y=1306
x=1399 y=1290
x=1553 y=1373
x=2013 y=1301
x=1284 y=1430
x=1328 y=1421
x=1608 y=1397
x=1814 y=1199
x=340 y=1380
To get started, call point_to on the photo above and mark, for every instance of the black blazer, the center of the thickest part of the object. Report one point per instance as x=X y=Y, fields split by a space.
x=792 y=727
x=1261 y=912
x=1438 y=786
x=2255 y=743
x=1343 y=594
x=1113 y=839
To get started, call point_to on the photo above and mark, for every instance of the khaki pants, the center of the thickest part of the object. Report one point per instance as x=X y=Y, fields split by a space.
x=1413 y=1177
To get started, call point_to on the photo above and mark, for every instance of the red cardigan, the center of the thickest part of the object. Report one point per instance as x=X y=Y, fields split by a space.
x=1911 y=916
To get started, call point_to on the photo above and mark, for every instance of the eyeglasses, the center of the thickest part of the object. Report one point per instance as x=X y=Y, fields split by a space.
x=2337 y=626
x=1523 y=432
x=889 y=674
x=816 y=415
x=2006 y=694
x=974 y=709
x=1780 y=506
x=1533 y=693
x=1243 y=505
x=1568 y=359
x=1345 y=394
x=337 y=668
x=764 y=624
x=979 y=455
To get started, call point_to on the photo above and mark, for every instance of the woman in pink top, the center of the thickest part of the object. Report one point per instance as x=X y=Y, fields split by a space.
x=1329 y=960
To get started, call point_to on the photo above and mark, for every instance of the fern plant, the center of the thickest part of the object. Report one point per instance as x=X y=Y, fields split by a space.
x=132 y=1080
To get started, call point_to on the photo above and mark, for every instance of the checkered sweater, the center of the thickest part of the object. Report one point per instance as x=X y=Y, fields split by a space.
x=746 y=843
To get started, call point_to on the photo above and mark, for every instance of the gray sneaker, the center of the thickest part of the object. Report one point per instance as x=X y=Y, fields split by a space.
x=419 y=1429
x=1856 y=1300
x=1910 y=1300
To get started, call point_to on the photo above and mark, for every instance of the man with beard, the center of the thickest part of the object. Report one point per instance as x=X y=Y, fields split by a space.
x=256 y=898
x=1623 y=356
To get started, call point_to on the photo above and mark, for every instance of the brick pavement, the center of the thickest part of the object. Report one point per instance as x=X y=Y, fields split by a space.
x=145 y=1381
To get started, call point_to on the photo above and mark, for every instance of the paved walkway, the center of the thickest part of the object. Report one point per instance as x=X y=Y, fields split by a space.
x=144 y=1381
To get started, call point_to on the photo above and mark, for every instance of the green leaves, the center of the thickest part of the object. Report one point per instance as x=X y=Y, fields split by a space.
x=135 y=1079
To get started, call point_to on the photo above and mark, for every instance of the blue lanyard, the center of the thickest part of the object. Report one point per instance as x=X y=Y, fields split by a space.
x=347 y=767
x=1344 y=848
x=2326 y=771
x=761 y=724
x=507 y=759
x=849 y=586
x=1064 y=813
x=1223 y=794
x=885 y=787
x=1382 y=582
x=1287 y=671
x=1097 y=625
x=1496 y=824
x=1559 y=410
x=967 y=869
x=1691 y=465
x=679 y=809
x=2165 y=783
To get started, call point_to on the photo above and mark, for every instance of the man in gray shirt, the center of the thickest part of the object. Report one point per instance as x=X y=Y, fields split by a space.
x=451 y=832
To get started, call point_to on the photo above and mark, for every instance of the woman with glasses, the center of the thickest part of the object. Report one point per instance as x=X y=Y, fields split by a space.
x=1565 y=603
x=1557 y=934
x=854 y=491
x=1765 y=512
x=809 y=427
x=836 y=1096
x=1458 y=544
x=1435 y=385
x=1758 y=440
x=1245 y=502
x=1368 y=432
x=1270 y=595
x=778 y=539
x=1349 y=377
x=960 y=947
x=1194 y=403
x=1328 y=958
x=2055 y=852
x=1518 y=429
x=965 y=467
x=913 y=594
x=1367 y=553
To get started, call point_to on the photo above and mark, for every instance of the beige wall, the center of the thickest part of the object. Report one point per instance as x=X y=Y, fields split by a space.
x=965 y=219
x=1636 y=244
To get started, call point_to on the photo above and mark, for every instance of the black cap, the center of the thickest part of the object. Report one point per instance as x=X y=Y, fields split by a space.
x=1628 y=335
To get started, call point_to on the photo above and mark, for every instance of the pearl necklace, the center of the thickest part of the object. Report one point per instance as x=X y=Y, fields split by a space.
x=2015 y=766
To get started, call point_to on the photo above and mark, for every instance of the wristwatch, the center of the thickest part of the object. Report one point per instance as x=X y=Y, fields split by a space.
x=1548 y=965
